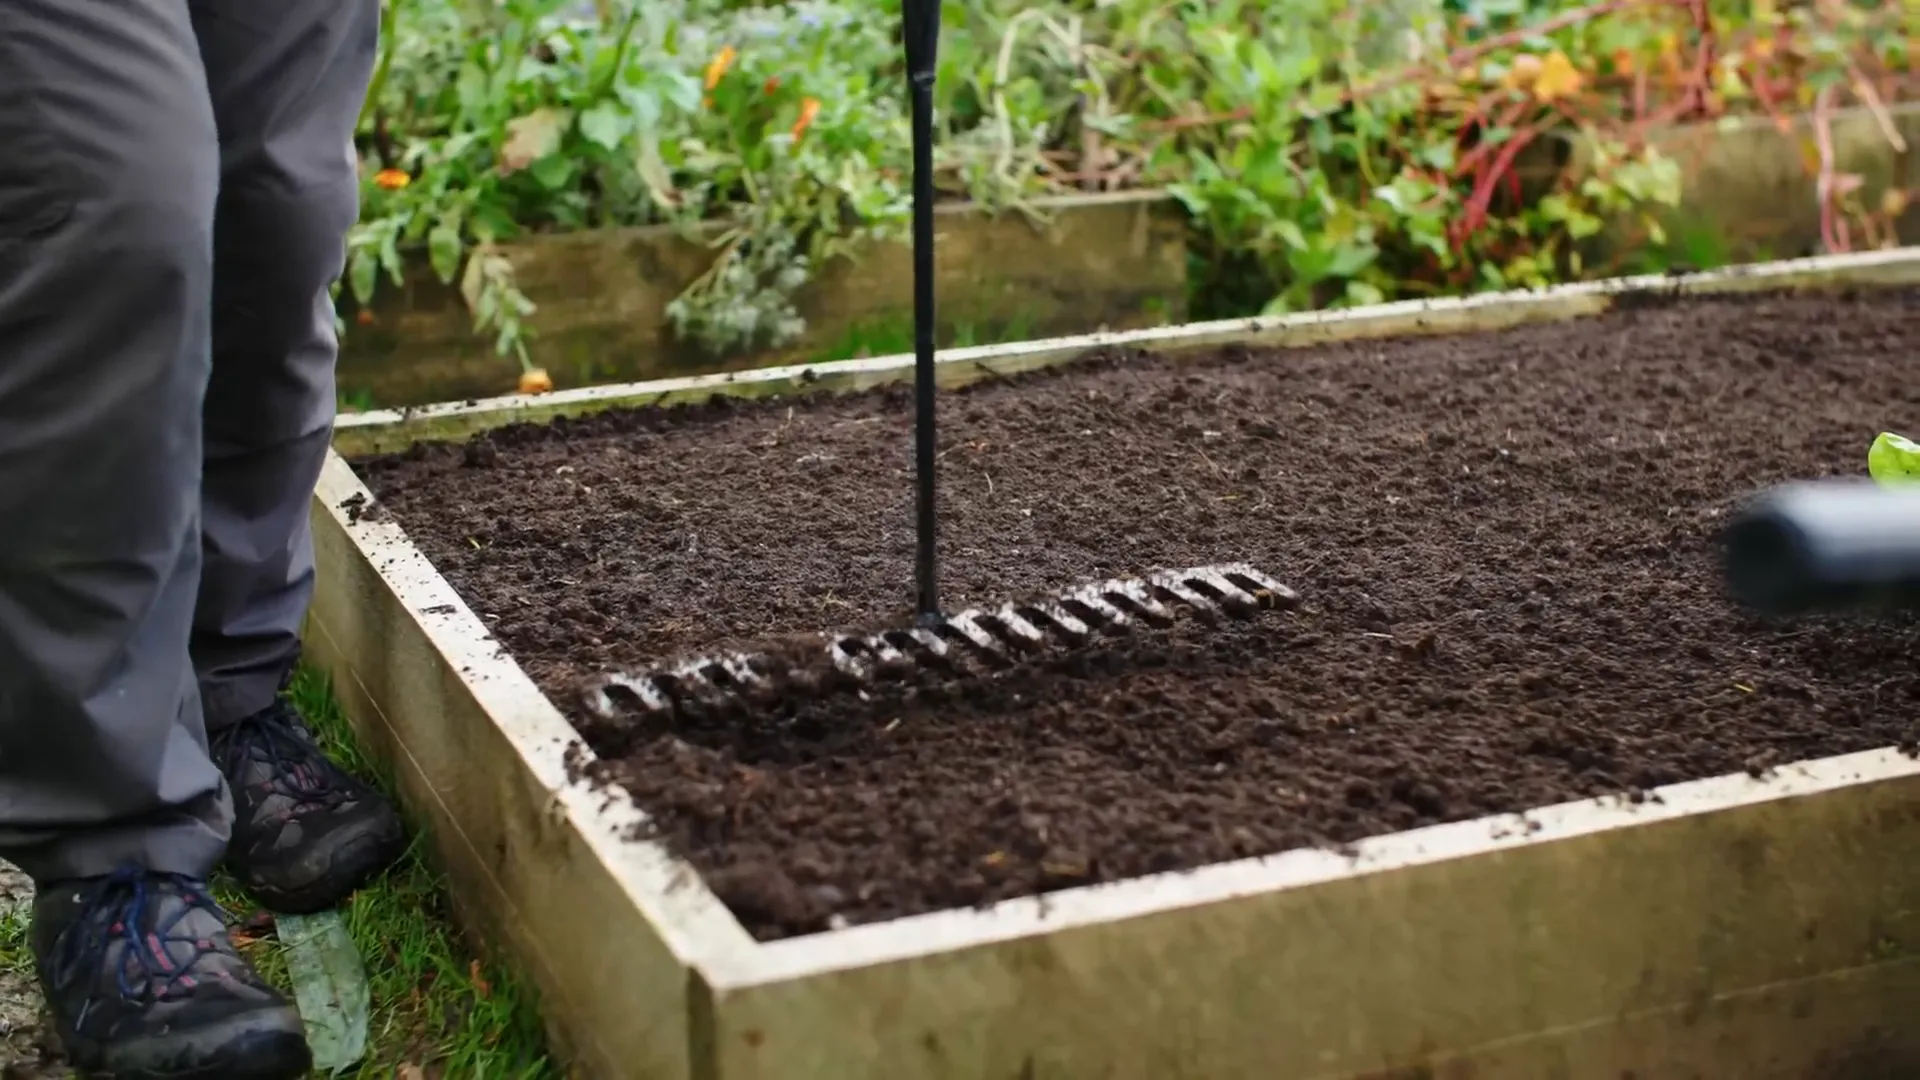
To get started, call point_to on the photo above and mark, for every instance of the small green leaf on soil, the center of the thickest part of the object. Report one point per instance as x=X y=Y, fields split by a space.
x=1894 y=459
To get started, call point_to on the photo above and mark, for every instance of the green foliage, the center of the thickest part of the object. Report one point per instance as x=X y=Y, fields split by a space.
x=1328 y=153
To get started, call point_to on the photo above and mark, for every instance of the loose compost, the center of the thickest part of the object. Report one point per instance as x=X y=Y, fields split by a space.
x=1504 y=545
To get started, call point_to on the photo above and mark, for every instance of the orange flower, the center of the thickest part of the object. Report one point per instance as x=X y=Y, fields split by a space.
x=535 y=381
x=809 y=108
x=392 y=179
x=771 y=85
x=717 y=67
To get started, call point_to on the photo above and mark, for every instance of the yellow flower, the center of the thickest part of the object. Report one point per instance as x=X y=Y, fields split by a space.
x=717 y=67
x=392 y=179
x=1558 y=78
x=1522 y=72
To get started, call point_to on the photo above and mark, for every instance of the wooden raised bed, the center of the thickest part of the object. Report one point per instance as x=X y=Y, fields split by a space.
x=1733 y=926
x=1749 y=191
x=1115 y=261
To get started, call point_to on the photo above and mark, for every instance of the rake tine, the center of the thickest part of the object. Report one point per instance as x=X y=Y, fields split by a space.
x=1143 y=601
x=1091 y=599
x=967 y=625
x=1062 y=620
x=1161 y=598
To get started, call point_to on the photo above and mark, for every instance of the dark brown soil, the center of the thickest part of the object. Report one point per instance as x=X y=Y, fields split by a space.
x=1505 y=544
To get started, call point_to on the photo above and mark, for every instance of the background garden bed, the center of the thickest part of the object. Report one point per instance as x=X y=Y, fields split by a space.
x=1065 y=265
x=1322 y=155
x=1071 y=265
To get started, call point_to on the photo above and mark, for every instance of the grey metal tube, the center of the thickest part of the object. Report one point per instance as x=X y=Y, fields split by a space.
x=1830 y=546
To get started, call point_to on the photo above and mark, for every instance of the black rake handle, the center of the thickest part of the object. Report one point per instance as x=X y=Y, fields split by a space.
x=922 y=35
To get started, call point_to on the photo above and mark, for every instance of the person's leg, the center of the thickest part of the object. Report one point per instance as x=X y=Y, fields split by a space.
x=106 y=205
x=287 y=80
x=108 y=171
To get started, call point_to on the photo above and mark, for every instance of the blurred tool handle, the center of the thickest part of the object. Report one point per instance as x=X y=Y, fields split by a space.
x=923 y=40
x=1834 y=546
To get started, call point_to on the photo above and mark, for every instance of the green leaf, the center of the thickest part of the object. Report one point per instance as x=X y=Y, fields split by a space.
x=390 y=259
x=329 y=986
x=552 y=171
x=470 y=88
x=1894 y=460
x=682 y=90
x=605 y=126
x=643 y=107
x=1350 y=259
x=363 y=272
x=1361 y=294
x=492 y=222
x=443 y=250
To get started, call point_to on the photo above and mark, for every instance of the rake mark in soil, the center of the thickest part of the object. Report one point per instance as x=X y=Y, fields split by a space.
x=1503 y=544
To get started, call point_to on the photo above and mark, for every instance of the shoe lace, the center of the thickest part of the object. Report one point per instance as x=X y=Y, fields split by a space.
x=115 y=909
x=294 y=766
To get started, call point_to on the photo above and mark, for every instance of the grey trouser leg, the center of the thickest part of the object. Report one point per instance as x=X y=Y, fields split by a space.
x=110 y=173
x=287 y=80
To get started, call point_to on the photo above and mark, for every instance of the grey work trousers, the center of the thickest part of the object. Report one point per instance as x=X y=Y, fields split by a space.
x=176 y=182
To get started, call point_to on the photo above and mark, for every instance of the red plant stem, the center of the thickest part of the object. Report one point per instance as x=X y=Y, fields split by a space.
x=1700 y=91
x=1483 y=191
x=1831 y=234
x=1471 y=162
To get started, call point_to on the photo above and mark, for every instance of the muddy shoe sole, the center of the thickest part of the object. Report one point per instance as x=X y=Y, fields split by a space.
x=270 y=1045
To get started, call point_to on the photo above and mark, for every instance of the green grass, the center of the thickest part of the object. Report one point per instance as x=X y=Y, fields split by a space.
x=14 y=958
x=436 y=1006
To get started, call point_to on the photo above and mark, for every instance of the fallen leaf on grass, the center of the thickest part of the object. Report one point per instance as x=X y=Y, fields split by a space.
x=252 y=929
x=410 y=1071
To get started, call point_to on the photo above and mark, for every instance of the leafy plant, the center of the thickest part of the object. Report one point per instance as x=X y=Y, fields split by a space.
x=1328 y=153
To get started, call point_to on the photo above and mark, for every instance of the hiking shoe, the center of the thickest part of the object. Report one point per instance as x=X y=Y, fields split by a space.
x=305 y=833
x=143 y=984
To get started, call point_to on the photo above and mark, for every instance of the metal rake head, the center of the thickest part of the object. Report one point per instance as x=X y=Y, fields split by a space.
x=977 y=640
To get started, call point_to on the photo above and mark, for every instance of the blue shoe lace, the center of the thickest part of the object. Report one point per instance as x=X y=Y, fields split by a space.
x=295 y=768
x=114 y=909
